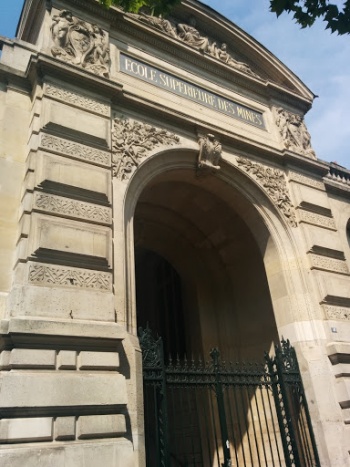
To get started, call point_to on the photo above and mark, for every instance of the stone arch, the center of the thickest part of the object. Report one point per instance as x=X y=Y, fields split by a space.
x=268 y=228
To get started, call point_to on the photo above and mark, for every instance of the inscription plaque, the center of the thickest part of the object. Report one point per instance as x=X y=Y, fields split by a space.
x=164 y=80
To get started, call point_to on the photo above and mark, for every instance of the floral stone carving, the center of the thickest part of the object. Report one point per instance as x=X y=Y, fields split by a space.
x=189 y=34
x=209 y=152
x=132 y=141
x=80 y=43
x=294 y=132
x=275 y=185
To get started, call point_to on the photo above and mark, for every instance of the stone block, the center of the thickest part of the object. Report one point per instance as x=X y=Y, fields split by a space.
x=25 y=429
x=64 y=428
x=61 y=389
x=62 y=303
x=5 y=360
x=33 y=358
x=67 y=360
x=98 y=361
x=78 y=123
x=108 y=453
x=70 y=237
x=68 y=173
x=305 y=194
x=96 y=426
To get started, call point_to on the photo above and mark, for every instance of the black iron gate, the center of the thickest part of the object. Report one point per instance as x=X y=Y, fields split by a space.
x=221 y=415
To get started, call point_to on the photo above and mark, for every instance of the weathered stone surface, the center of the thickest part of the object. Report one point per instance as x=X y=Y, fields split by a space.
x=25 y=430
x=44 y=389
x=98 y=361
x=101 y=426
x=33 y=358
x=67 y=360
x=64 y=428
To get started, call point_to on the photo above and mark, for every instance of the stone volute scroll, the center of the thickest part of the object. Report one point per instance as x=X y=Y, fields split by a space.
x=80 y=43
x=132 y=141
x=294 y=133
x=190 y=35
x=274 y=183
x=209 y=153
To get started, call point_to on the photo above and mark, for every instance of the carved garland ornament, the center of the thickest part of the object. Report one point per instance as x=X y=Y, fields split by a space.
x=76 y=99
x=132 y=141
x=274 y=182
x=294 y=132
x=73 y=208
x=76 y=150
x=42 y=274
x=190 y=35
x=80 y=43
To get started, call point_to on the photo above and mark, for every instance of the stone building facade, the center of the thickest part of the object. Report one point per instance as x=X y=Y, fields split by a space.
x=128 y=138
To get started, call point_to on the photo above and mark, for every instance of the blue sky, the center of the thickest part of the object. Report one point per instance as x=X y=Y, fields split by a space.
x=320 y=59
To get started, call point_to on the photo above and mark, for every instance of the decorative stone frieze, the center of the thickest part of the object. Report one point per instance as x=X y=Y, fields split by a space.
x=132 y=141
x=69 y=277
x=76 y=99
x=294 y=133
x=76 y=150
x=316 y=219
x=209 y=152
x=72 y=208
x=80 y=43
x=190 y=35
x=274 y=183
x=326 y=263
x=308 y=181
x=337 y=312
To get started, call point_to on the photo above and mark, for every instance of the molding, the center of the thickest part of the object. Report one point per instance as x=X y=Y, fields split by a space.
x=76 y=99
x=72 y=208
x=325 y=263
x=274 y=183
x=74 y=150
x=316 y=219
x=70 y=277
x=337 y=312
x=328 y=252
x=308 y=181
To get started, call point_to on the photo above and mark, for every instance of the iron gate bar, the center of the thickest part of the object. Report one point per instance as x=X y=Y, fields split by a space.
x=227 y=393
x=221 y=407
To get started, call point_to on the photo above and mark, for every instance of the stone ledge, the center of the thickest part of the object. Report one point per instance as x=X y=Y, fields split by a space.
x=69 y=328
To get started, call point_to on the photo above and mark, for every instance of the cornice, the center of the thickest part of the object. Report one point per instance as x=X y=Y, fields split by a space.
x=241 y=146
x=43 y=65
x=15 y=79
x=234 y=79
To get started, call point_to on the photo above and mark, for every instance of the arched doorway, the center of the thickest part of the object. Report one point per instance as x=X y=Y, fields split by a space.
x=184 y=226
x=204 y=241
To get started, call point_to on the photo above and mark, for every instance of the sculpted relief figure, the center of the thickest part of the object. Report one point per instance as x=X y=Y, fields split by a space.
x=209 y=152
x=79 y=43
x=224 y=56
x=189 y=34
x=158 y=22
x=294 y=132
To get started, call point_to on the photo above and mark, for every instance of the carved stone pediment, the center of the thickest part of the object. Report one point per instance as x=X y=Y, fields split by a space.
x=190 y=35
x=80 y=43
x=294 y=133
x=132 y=141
